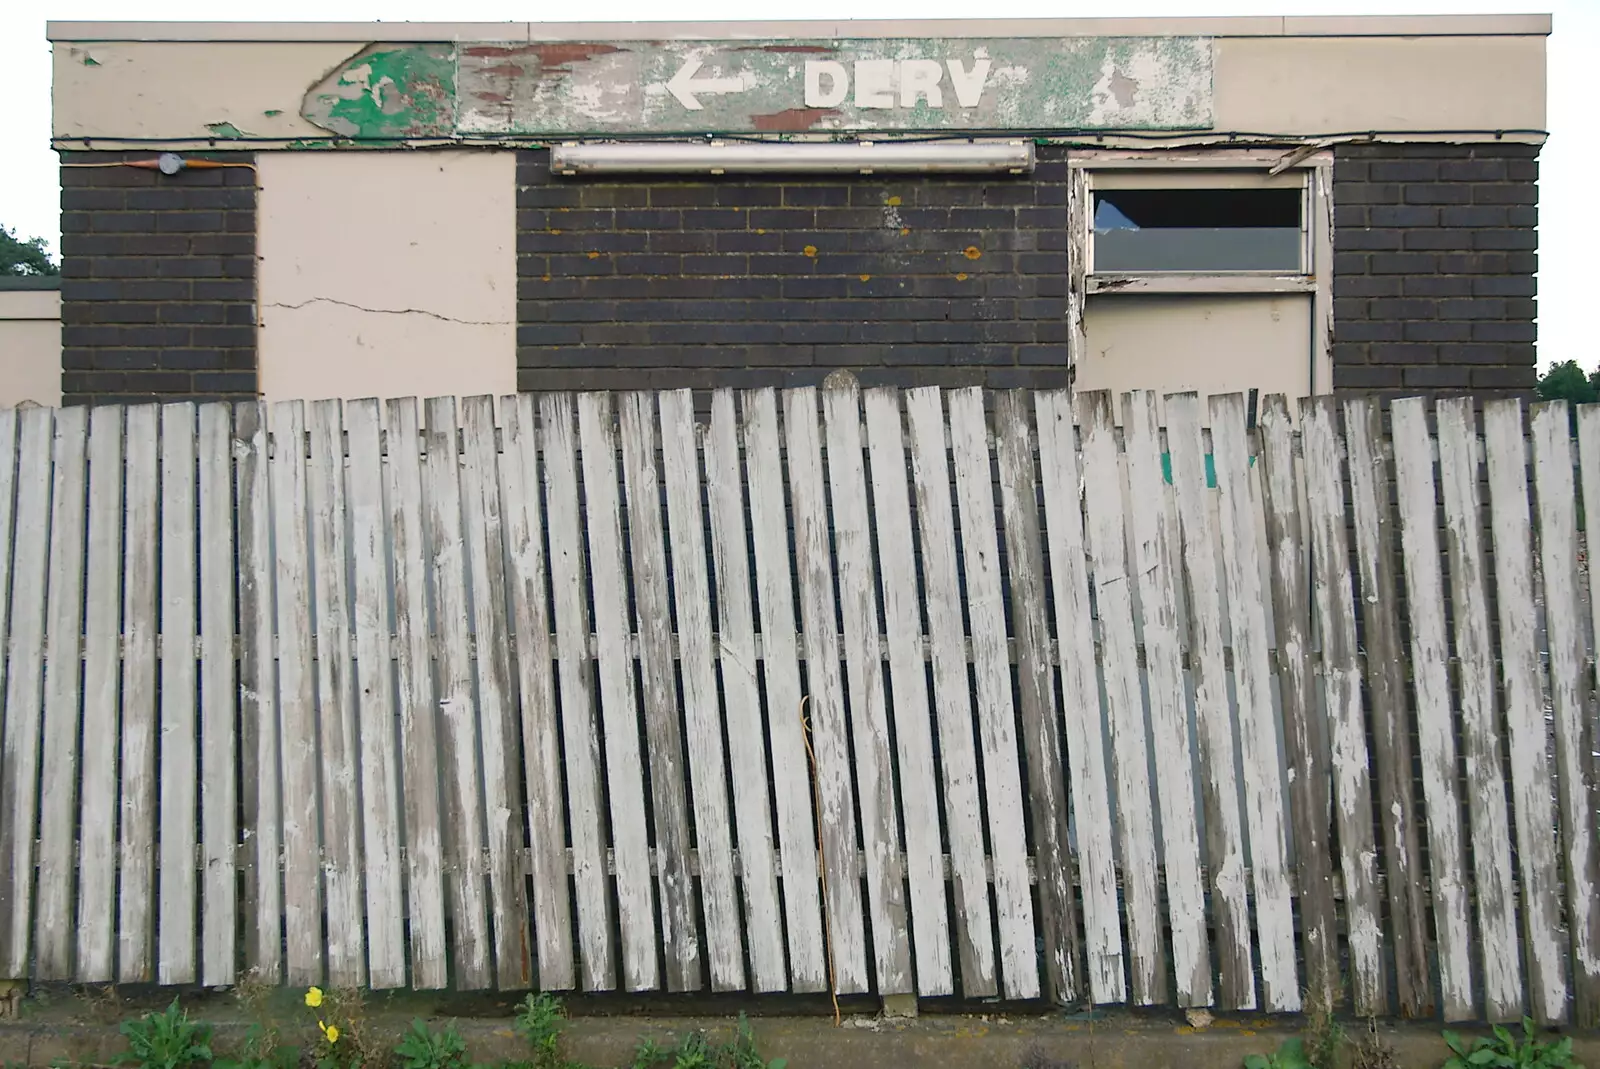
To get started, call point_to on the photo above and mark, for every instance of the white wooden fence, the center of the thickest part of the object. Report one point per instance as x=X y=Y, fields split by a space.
x=1103 y=705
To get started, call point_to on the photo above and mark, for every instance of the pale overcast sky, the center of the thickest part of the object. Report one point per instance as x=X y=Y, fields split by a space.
x=1569 y=230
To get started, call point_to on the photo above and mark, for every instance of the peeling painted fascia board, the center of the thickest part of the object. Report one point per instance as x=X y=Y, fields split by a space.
x=398 y=32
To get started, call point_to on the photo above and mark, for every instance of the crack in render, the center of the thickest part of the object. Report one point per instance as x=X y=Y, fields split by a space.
x=391 y=311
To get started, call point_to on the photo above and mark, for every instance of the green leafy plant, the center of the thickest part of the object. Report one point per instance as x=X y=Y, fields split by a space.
x=1503 y=1051
x=1291 y=1054
x=423 y=1048
x=697 y=1051
x=742 y=1052
x=260 y=1050
x=166 y=1040
x=540 y=1020
x=1324 y=1037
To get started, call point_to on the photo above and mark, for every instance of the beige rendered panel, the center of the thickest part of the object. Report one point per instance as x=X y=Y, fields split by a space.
x=1210 y=344
x=1330 y=85
x=30 y=347
x=188 y=90
x=387 y=274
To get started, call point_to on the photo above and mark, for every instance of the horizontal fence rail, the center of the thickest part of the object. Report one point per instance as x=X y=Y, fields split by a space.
x=1017 y=695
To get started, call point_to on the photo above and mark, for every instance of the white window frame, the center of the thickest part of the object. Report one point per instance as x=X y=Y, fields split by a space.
x=1107 y=168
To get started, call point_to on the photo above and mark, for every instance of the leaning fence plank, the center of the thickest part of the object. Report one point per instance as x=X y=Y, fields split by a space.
x=97 y=819
x=1041 y=731
x=541 y=742
x=136 y=840
x=219 y=794
x=1130 y=746
x=958 y=758
x=825 y=707
x=19 y=761
x=1430 y=672
x=1532 y=790
x=1304 y=735
x=908 y=680
x=618 y=700
x=175 y=930
x=1091 y=793
x=1219 y=787
x=1493 y=875
x=452 y=655
x=62 y=675
x=8 y=533
x=580 y=731
x=375 y=713
x=415 y=699
x=1391 y=740
x=736 y=642
x=503 y=799
x=680 y=462
x=781 y=672
x=341 y=812
x=1574 y=732
x=869 y=714
x=1280 y=986
x=1002 y=777
x=1333 y=596
x=258 y=698
x=663 y=731
x=1169 y=714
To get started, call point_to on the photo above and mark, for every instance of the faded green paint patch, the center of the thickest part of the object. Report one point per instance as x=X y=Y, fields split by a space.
x=90 y=61
x=225 y=130
x=388 y=91
x=273 y=113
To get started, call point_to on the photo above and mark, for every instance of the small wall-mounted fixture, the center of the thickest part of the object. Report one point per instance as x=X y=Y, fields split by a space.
x=864 y=157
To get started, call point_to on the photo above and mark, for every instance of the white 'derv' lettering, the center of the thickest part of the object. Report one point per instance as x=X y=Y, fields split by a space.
x=888 y=83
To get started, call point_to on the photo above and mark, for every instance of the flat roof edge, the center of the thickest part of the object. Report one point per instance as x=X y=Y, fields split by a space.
x=1245 y=26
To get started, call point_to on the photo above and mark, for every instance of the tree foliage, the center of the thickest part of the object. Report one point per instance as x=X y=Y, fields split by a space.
x=26 y=258
x=1567 y=382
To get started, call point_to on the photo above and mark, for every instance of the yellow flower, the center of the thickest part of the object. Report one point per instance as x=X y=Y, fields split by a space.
x=313 y=997
x=331 y=1031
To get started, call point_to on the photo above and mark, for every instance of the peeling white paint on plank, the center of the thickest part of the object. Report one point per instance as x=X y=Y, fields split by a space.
x=219 y=831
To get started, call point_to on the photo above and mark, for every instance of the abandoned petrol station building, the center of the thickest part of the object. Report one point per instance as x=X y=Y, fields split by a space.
x=1290 y=204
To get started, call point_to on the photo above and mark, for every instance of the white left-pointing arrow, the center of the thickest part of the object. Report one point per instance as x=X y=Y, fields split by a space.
x=684 y=85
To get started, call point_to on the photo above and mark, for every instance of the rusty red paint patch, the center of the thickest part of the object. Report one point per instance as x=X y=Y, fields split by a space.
x=550 y=53
x=504 y=70
x=779 y=50
x=791 y=119
x=492 y=98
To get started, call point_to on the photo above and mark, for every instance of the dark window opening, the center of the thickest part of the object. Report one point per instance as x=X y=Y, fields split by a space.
x=1197 y=230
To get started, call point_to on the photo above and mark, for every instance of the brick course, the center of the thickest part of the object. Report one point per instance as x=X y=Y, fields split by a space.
x=659 y=283
x=158 y=280
x=1433 y=273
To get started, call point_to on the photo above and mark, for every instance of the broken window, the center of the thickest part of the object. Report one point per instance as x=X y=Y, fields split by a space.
x=1197 y=229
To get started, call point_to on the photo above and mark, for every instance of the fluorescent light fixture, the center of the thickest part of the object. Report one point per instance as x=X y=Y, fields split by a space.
x=864 y=157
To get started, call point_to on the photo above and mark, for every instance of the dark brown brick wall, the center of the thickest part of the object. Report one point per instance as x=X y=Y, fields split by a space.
x=1434 y=257
x=158 y=280
x=745 y=282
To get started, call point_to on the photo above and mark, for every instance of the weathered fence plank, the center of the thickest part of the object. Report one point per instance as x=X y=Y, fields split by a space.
x=1085 y=736
x=1169 y=715
x=415 y=699
x=735 y=647
x=1333 y=594
x=1430 y=658
x=219 y=799
x=175 y=922
x=524 y=521
x=1304 y=735
x=1569 y=696
x=869 y=715
x=1130 y=747
x=58 y=799
x=102 y=654
x=952 y=697
x=680 y=936
x=1379 y=600
x=1041 y=732
x=1219 y=786
x=797 y=836
x=908 y=681
x=618 y=700
x=374 y=691
x=580 y=730
x=1493 y=875
x=1532 y=791
x=9 y=524
x=136 y=830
